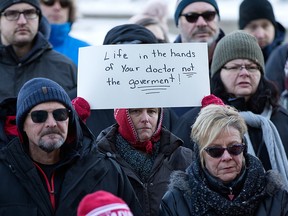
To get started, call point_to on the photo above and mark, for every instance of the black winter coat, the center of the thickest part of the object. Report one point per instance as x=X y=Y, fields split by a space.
x=191 y=194
x=172 y=156
x=82 y=170
x=41 y=61
x=276 y=65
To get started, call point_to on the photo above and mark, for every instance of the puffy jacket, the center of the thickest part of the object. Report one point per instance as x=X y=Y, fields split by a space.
x=184 y=196
x=82 y=170
x=65 y=43
x=171 y=157
x=41 y=61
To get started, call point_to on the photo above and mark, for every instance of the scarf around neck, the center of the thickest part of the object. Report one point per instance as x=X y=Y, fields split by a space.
x=208 y=198
x=272 y=140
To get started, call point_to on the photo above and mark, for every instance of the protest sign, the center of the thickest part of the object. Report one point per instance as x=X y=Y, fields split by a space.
x=143 y=75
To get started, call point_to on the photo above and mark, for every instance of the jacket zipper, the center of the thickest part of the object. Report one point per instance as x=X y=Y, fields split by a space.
x=50 y=186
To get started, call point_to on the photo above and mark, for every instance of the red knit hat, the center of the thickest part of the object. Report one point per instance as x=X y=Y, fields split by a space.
x=102 y=203
x=82 y=108
x=211 y=99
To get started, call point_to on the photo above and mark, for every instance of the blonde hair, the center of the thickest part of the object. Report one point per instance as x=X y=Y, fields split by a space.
x=211 y=121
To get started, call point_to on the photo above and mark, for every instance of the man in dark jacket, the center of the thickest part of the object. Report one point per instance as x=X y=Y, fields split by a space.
x=197 y=21
x=25 y=52
x=257 y=18
x=54 y=163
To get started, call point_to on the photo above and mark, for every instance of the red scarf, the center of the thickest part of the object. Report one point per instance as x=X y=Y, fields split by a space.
x=129 y=133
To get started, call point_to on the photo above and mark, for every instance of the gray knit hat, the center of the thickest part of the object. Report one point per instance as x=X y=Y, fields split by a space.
x=237 y=45
x=36 y=91
x=7 y=3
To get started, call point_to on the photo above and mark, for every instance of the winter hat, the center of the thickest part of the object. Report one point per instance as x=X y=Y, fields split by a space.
x=82 y=108
x=36 y=91
x=129 y=33
x=181 y=4
x=237 y=45
x=129 y=133
x=250 y=10
x=102 y=203
x=211 y=99
x=7 y=3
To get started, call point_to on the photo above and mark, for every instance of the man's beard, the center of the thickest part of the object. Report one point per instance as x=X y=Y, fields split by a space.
x=49 y=146
x=210 y=41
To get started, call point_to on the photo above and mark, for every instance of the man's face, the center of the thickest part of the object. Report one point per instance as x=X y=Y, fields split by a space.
x=201 y=30
x=20 y=32
x=56 y=13
x=263 y=30
x=49 y=135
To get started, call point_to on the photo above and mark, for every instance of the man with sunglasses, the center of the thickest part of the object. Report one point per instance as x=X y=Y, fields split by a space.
x=53 y=164
x=26 y=53
x=61 y=15
x=197 y=21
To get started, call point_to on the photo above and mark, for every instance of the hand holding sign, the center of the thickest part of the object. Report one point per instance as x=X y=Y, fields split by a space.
x=143 y=75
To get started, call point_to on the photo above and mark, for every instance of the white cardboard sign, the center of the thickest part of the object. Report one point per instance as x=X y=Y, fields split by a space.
x=143 y=75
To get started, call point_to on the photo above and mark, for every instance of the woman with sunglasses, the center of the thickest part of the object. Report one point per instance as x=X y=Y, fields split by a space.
x=223 y=178
x=61 y=15
x=237 y=77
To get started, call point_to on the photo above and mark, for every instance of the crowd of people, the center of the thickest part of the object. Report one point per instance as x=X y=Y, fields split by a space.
x=226 y=157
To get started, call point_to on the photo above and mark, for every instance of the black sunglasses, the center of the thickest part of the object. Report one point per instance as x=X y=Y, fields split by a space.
x=63 y=3
x=193 y=17
x=217 y=152
x=40 y=116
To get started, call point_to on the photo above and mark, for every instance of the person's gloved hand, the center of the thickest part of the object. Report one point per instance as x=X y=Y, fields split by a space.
x=82 y=108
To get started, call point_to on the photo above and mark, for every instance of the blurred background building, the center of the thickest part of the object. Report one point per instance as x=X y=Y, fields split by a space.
x=96 y=17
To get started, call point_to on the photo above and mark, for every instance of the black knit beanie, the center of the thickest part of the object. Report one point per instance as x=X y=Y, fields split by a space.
x=7 y=3
x=181 y=4
x=127 y=33
x=237 y=45
x=36 y=91
x=250 y=10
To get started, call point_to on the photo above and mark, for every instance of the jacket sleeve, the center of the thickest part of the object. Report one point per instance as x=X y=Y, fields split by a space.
x=172 y=204
x=127 y=192
x=183 y=127
x=274 y=69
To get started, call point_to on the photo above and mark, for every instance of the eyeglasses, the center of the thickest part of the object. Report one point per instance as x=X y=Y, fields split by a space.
x=40 y=116
x=63 y=3
x=217 y=152
x=193 y=17
x=13 y=15
x=238 y=68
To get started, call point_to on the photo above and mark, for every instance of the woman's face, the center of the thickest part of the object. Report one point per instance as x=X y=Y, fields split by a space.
x=145 y=122
x=240 y=77
x=227 y=166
